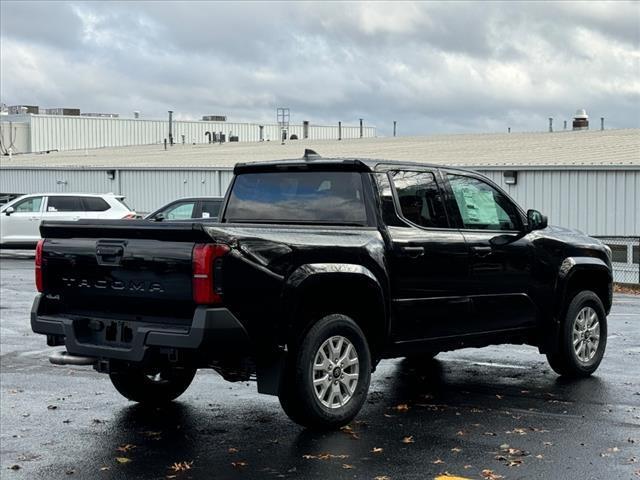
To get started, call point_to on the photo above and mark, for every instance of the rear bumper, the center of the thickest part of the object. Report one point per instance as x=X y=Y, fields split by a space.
x=212 y=329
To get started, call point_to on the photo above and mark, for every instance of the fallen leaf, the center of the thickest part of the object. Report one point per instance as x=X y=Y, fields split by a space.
x=238 y=464
x=540 y=456
x=377 y=450
x=346 y=466
x=499 y=397
x=408 y=439
x=490 y=475
x=456 y=449
x=15 y=467
x=382 y=477
x=52 y=407
x=104 y=469
x=181 y=466
x=448 y=476
x=127 y=447
x=437 y=461
x=232 y=450
x=324 y=456
x=403 y=407
x=123 y=459
x=349 y=431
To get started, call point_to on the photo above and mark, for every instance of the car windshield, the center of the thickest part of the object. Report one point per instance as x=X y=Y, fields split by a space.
x=297 y=197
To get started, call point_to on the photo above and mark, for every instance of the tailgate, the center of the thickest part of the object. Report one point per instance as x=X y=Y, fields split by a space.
x=124 y=273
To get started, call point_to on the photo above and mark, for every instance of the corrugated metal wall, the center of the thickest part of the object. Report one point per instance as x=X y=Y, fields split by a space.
x=598 y=202
x=55 y=132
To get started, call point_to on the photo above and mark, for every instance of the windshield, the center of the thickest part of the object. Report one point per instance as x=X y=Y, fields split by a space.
x=297 y=197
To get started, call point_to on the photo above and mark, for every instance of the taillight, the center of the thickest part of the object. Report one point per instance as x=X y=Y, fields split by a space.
x=205 y=259
x=39 y=265
x=129 y=216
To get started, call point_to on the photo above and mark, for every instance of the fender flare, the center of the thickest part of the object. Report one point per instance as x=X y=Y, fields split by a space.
x=569 y=267
x=306 y=274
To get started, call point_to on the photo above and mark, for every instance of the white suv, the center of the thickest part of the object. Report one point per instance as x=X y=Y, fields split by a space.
x=20 y=218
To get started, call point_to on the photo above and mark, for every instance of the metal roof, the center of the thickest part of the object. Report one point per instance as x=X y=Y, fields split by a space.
x=593 y=149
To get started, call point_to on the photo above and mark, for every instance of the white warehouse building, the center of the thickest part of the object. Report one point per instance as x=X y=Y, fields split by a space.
x=34 y=133
x=589 y=179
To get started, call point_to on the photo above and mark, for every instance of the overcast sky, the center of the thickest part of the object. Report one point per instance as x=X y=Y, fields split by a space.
x=434 y=67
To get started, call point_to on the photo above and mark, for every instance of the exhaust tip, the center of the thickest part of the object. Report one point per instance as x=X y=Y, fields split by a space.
x=65 y=358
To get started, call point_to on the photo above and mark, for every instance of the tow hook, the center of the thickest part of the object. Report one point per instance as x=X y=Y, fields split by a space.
x=65 y=358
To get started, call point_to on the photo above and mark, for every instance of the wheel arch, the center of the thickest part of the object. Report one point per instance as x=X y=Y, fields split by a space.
x=577 y=274
x=584 y=273
x=315 y=290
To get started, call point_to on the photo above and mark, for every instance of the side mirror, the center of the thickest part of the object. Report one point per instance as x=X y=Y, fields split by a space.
x=9 y=211
x=536 y=220
x=159 y=217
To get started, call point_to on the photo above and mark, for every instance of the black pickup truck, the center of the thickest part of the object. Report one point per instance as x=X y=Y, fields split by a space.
x=317 y=270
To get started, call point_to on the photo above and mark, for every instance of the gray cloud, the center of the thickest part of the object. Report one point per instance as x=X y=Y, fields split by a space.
x=434 y=67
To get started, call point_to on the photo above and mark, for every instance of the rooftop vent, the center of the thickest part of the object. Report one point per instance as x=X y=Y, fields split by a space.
x=581 y=120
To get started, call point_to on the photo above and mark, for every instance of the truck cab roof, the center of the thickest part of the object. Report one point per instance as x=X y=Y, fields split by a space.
x=336 y=164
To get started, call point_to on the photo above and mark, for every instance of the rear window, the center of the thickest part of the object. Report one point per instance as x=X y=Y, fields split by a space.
x=95 y=204
x=297 y=197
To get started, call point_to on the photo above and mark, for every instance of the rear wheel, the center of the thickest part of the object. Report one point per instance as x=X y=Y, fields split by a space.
x=327 y=376
x=583 y=337
x=152 y=386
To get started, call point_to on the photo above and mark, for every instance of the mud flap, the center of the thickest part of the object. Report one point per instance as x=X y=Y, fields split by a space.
x=269 y=369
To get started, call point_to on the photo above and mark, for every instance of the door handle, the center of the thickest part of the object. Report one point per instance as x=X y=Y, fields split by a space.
x=481 y=251
x=413 y=251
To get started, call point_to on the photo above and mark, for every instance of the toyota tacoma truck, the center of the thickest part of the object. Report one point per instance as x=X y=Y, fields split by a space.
x=315 y=271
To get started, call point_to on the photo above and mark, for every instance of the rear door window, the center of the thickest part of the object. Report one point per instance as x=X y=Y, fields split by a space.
x=334 y=198
x=420 y=198
x=210 y=208
x=65 y=204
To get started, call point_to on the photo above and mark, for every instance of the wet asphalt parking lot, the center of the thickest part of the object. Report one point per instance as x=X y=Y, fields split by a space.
x=497 y=412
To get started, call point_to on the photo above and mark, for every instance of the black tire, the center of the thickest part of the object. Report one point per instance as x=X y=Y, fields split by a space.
x=297 y=393
x=565 y=361
x=152 y=387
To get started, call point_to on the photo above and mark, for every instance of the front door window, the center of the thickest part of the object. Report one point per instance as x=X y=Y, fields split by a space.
x=481 y=206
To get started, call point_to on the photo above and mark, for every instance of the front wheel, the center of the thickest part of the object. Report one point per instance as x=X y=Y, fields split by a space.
x=327 y=376
x=152 y=386
x=583 y=337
